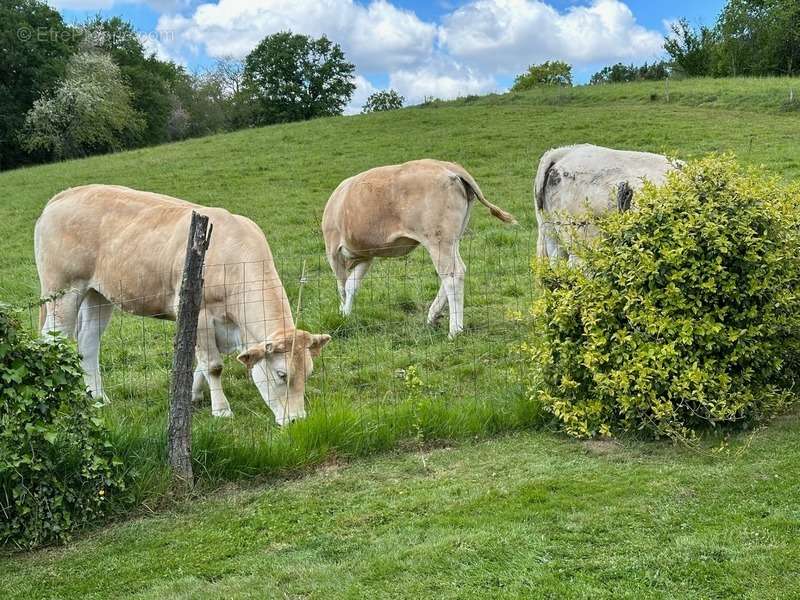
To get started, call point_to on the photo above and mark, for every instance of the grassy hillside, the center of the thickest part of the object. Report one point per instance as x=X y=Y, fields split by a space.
x=281 y=176
x=779 y=95
x=362 y=400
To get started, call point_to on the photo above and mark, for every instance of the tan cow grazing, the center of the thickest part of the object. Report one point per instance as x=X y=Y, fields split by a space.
x=100 y=246
x=575 y=180
x=389 y=211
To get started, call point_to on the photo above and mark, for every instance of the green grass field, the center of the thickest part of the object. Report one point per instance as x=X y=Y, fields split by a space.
x=599 y=528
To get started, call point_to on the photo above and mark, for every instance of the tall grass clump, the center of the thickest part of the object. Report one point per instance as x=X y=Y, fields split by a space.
x=247 y=447
x=685 y=312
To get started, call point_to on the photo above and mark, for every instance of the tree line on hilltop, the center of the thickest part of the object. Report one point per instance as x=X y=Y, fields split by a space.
x=750 y=38
x=75 y=90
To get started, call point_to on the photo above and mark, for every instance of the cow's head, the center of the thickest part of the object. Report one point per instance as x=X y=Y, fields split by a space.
x=280 y=367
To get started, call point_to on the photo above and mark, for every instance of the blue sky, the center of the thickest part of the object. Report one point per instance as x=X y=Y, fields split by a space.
x=440 y=48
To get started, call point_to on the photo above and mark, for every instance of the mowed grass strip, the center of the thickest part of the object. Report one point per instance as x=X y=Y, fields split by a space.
x=528 y=515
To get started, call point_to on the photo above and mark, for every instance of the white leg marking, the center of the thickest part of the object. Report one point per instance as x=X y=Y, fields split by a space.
x=93 y=317
x=197 y=384
x=437 y=306
x=352 y=284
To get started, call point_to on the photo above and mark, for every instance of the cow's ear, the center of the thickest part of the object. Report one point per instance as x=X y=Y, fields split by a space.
x=254 y=354
x=318 y=342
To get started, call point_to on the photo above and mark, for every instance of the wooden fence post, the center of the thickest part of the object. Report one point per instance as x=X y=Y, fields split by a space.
x=179 y=432
x=624 y=197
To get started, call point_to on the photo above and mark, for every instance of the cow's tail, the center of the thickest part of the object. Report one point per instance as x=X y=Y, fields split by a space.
x=472 y=185
x=546 y=163
x=42 y=316
x=549 y=158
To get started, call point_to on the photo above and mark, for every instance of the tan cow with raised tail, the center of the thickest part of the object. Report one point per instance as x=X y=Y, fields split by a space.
x=388 y=211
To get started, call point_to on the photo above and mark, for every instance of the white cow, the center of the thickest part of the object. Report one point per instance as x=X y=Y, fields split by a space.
x=100 y=246
x=574 y=181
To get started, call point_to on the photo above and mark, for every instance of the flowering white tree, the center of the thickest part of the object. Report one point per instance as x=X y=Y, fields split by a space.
x=89 y=111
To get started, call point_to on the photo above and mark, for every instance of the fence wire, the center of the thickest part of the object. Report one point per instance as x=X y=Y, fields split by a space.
x=379 y=355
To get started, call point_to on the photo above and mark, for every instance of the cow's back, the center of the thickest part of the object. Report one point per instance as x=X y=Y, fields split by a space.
x=127 y=244
x=389 y=203
x=586 y=177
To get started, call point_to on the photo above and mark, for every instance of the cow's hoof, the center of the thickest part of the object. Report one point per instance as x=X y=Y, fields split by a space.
x=226 y=412
x=101 y=397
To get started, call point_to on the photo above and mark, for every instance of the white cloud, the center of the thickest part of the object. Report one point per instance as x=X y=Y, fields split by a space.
x=390 y=37
x=376 y=37
x=440 y=79
x=363 y=90
x=154 y=43
x=504 y=36
x=466 y=53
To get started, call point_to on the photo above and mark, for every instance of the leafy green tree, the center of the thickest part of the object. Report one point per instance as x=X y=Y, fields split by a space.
x=291 y=77
x=35 y=45
x=212 y=99
x=89 y=112
x=692 y=50
x=760 y=37
x=152 y=82
x=555 y=72
x=383 y=100
x=620 y=73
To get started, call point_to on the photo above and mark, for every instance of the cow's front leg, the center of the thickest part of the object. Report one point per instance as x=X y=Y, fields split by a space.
x=209 y=363
x=197 y=384
x=219 y=403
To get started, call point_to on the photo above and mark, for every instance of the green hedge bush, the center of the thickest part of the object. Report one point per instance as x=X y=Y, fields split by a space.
x=685 y=312
x=57 y=468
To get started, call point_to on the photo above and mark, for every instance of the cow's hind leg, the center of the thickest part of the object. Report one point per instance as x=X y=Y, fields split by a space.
x=549 y=244
x=451 y=269
x=437 y=306
x=93 y=317
x=352 y=284
x=61 y=313
x=339 y=267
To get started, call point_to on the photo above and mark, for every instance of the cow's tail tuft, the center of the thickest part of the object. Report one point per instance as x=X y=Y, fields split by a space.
x=471 y=185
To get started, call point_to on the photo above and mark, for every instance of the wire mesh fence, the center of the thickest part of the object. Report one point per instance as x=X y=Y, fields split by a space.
x=380 y=355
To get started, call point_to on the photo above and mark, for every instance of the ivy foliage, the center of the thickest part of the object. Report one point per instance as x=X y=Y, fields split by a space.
x=685 y=313
x=57 y=468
